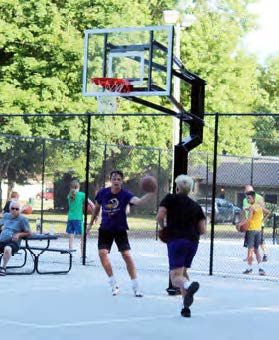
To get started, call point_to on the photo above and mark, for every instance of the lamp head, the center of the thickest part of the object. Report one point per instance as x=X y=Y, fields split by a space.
x=171 y=16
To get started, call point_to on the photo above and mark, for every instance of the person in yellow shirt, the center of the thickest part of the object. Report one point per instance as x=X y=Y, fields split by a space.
x=259 y=199
x=258 y=214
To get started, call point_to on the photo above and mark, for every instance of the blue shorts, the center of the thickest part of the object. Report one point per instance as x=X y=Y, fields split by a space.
x=181 y=252
x=74 y=227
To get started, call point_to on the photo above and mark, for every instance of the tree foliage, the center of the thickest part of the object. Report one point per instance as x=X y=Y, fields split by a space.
x=266 y=135
x=41 y=58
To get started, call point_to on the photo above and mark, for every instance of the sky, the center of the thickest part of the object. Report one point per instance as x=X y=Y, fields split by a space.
x=265 y=41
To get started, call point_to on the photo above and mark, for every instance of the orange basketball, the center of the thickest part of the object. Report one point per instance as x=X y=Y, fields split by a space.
x=148 y=184
x=27 y=209
x=164 y=235
x=243 y=226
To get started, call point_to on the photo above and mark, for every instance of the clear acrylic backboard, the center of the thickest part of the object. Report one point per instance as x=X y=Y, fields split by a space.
x=141 y=55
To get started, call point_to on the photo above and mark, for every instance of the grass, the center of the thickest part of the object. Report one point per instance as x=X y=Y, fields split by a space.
x=59 y=220
x=135 y=222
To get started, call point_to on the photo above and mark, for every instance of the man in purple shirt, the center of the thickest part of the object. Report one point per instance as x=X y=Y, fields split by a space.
x=113 y=228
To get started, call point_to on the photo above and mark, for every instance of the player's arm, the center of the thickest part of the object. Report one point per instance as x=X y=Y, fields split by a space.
x=95 y=214
x=242 y=214
x=266 y=214
x=92 y=205
x=142 y=200
x=248 y=219
x=21 y=235
x=161 y=216
x=202 y=226
x=251 y=213
x=261 y=203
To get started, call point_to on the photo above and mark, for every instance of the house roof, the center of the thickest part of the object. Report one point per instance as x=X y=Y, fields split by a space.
x=233 y=173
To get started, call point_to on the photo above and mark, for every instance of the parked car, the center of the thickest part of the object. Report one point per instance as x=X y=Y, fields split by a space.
x=225 y=211
x=48 y=194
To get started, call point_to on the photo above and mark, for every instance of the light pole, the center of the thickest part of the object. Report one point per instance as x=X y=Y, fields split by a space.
x=171 y=17
x=174 y=17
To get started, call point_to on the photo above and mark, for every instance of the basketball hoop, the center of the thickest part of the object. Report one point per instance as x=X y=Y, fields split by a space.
x=108 y=104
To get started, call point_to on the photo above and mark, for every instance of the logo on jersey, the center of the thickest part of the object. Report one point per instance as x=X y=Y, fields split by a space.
x=112 y=206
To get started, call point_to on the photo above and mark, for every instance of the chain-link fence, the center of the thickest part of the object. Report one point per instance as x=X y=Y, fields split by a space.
x=41 y=169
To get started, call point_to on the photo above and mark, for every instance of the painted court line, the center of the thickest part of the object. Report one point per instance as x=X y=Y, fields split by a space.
x=268 y=309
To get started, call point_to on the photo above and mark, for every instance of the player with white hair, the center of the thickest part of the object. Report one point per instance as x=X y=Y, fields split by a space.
x=185 y=222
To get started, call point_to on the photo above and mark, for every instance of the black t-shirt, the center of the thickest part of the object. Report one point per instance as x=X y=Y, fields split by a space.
x=183 y=215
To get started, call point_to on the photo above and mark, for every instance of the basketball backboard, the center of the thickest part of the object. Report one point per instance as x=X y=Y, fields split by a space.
x=141 y=55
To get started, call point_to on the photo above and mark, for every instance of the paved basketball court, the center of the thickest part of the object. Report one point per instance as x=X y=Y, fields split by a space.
x=79 y=305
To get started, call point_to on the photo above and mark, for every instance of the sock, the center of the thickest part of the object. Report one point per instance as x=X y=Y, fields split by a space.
x=181 y=305
x=112 y=280
x=135 y=284
x=249 y=267
x=187 y=284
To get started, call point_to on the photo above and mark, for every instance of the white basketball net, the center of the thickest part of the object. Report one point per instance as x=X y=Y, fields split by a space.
x=107 y=104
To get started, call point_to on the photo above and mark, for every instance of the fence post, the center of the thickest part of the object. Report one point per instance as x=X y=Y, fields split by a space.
x=105 y=165
x=252 y=171
x=158 y=193
x=86 y=186
x=43 y=184
x=213 y=192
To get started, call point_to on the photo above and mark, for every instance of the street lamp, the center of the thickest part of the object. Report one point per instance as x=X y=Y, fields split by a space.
x=173 y=17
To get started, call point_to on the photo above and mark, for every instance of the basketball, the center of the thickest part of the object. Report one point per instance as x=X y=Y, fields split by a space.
x=27 y=209
x=164 y=235
x=89 y=209
x=148 y=184
x=243 y=226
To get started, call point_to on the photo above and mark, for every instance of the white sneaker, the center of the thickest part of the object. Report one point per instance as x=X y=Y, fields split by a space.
x=138 y=293
x=115 y=290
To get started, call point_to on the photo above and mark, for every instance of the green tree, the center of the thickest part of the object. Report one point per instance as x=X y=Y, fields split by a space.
x=266 y=135
x=211 y=49
x=41 y=57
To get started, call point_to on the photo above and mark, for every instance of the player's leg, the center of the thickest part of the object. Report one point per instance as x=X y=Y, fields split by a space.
x=178 y=279
x=122 y=242
x=181 y=253
x=103 y=254
x=263 y=246
x=130 y=265
x=7 y=254
x=250 y=256
x=70 y=231
x=245 y=246
x=78 y=230
x=105 y=240
x=257 y=244
x=250 y=245
x=185 y=274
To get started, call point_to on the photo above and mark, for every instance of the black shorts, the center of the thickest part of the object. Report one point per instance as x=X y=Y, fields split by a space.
x=106 y=238
x=13 y=245
x=262 y=241
x=253 y=239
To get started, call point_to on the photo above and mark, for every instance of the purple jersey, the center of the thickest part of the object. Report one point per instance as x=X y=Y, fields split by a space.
x=114 y=208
